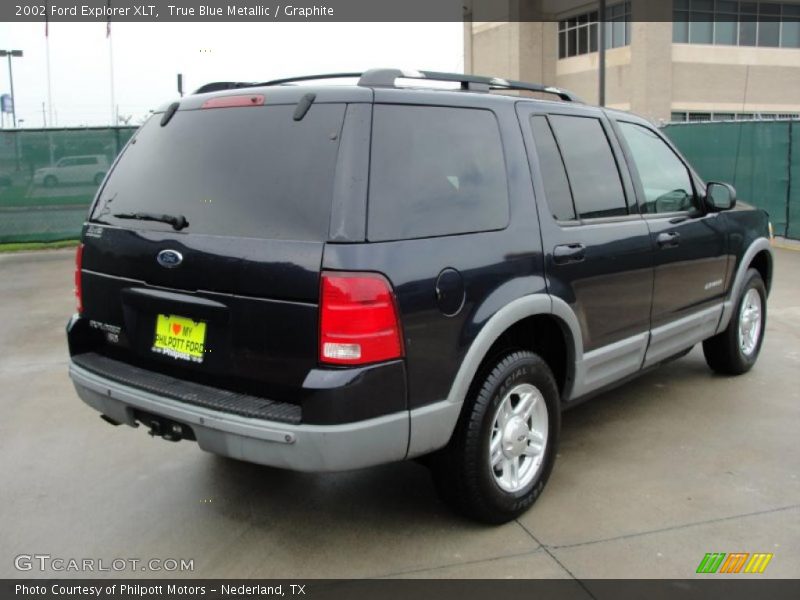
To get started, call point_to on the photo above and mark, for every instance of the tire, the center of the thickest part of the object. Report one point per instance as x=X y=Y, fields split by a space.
x=463 y=471
x=50 y=181
x=730 y=353
x=98 y=179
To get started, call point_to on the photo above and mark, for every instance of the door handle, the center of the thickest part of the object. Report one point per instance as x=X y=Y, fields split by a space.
x=670 y=239
x=569 y=253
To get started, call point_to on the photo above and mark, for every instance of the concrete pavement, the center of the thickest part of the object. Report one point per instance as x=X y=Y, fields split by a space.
x=649 y=477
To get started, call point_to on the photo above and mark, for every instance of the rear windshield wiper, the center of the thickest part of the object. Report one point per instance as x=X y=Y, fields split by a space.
x=178 y=222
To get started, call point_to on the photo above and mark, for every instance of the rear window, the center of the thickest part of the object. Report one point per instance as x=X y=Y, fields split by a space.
x=435 y=171
x=245 y=172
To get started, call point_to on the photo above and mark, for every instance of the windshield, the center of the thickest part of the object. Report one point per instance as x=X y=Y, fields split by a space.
x=245 y=172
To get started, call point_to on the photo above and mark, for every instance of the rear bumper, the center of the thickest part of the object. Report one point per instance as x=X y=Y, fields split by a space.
x=302 y=447
x=324 y=396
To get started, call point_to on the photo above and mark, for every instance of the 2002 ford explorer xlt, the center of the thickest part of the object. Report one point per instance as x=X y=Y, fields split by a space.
x=327 y=277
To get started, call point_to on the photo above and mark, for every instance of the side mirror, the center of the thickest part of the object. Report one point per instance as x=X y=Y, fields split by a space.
x=720 y=196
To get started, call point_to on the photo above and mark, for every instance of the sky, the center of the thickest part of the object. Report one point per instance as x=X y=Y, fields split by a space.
x=147 y=57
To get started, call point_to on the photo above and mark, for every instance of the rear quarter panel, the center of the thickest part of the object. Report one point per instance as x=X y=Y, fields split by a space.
x=496 y=267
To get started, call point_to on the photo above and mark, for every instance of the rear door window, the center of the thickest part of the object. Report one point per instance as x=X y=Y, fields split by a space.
x=435 y=171
x=244 y=172
x=593 y=174
x=551 y=167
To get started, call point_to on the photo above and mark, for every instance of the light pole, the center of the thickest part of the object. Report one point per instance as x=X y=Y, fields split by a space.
x=10 y=54
x=601 y=95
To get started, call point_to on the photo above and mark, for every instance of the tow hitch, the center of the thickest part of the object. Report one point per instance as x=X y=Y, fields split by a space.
x=167 y=429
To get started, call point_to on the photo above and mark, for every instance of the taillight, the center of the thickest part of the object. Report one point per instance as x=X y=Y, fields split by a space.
x=358 y=319
x=78 y=287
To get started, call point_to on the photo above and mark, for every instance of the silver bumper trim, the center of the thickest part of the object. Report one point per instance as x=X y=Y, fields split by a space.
x=297 y=447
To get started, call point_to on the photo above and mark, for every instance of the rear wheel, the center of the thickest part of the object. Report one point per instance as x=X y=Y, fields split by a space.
x=50 y=181
x=735 y=350
x=504 y=446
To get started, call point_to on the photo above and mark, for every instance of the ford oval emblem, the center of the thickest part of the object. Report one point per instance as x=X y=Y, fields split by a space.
x=169 y=259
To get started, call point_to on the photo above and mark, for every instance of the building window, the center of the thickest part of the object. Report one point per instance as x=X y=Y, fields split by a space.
x=579 y=34
x=683 y=116
x=732 y=23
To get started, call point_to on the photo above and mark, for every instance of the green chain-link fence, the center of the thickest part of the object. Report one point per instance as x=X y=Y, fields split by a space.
x=48 y=178
x=793 y=225
x=760 y=158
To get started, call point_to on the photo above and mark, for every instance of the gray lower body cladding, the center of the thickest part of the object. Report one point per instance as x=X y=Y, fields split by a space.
x=299 y=447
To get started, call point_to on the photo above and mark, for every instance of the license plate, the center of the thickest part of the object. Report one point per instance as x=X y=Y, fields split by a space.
x=180 y=338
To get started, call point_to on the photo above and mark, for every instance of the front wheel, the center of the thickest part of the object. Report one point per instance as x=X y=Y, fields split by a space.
x=735 y=350
x=504 y=446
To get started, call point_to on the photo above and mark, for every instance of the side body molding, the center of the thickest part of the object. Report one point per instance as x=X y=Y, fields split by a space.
x=432 y=425
x=758 y=245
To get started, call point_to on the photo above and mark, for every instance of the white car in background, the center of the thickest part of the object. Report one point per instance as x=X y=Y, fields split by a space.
x=90 y=168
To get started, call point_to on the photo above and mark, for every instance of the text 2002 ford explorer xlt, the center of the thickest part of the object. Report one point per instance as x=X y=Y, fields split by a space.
x=330 y=277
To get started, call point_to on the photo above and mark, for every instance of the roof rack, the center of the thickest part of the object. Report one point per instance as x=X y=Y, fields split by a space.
x=387 y=78
x=218 y=86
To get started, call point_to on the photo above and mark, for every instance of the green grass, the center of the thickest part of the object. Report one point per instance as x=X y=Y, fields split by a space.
x=24 y=246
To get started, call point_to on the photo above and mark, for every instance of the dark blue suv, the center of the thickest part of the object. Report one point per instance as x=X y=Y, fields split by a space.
x=330 y=277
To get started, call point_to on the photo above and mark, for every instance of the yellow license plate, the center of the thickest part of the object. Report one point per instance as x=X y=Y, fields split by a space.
x=180 y=338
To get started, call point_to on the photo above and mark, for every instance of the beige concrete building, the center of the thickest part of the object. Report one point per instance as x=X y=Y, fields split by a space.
x=665 y=59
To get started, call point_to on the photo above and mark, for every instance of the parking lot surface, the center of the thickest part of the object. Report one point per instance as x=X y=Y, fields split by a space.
x=649 y=477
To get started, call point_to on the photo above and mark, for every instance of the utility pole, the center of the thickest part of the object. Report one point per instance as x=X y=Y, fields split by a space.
x=601 y=95
x=10 y=54
x=13 y=54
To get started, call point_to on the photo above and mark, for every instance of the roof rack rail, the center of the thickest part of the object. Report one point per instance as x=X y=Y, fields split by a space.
x=387 y=77
x=218 y=86
x=311 y=78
